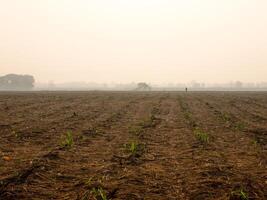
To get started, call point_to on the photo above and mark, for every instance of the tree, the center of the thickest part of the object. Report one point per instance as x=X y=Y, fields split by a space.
x=16 y=82
x=143 y=87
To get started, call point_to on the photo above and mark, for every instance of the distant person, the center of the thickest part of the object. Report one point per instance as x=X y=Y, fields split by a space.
x=186 y=89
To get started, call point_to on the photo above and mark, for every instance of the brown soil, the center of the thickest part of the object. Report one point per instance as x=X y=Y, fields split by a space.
x=169 y=162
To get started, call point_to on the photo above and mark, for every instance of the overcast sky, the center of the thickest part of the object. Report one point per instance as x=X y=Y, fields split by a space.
x=134 y=40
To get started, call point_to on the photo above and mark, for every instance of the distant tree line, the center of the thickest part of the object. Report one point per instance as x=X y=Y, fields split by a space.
x=16 y=82
x=143 y=87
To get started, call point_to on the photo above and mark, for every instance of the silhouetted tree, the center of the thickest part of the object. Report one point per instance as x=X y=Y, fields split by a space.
x=16 y=82
x=143 y=87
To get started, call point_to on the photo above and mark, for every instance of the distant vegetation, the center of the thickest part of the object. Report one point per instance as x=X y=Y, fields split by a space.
x=143 y=87
x=16 y=82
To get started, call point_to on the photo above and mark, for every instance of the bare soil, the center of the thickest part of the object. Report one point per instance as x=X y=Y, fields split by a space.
x=133 y=145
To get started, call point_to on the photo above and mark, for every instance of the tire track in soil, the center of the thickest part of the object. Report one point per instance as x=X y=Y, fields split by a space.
x=257 y=99
x=35 y=163
x=242 y=108
x=119 y=169
x=24 y=106
x=114 y=140
x=135 y=177
x=130 y=174
x=43 y=110
x=41 y=139
x=206 y=172
x=238 y=120
x=249 y=108
x=156 y=175
x=162 y=174
x=238 y=158
x=257 y=135
x=53 y=164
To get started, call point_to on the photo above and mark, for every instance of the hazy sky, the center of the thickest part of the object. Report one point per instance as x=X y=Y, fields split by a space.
x=134 y=40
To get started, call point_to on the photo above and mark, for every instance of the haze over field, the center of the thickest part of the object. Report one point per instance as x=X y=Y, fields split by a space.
x=125 y=41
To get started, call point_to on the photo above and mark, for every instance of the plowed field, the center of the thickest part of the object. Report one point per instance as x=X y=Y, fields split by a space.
x=133 y=145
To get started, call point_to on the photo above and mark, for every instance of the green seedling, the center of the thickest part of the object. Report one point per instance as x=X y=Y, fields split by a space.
x=255 y=142
x=99 y=194
x=88 y=182
x=240 y=126
x=187 y=115
x=68 y=141
x=201 y=136
x=226 y=117
x=241 y=194
x=92 y=180
x=134 y=148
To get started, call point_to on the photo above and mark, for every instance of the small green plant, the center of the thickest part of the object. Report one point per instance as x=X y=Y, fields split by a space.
x=134 y=148
x=68 y=141
x=187 y=115
x=88 y=182
x=241 y=193
x=99 y=194
x=255 y=142
x=240 y=126
x=202 y=136
x=226 y=117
